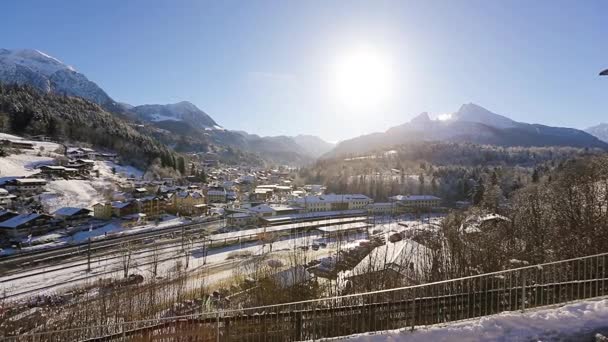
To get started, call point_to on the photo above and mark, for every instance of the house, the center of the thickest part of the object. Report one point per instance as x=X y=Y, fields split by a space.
x=26 y=186
x=120 y=209
x=16 y=144
x=113 y=157
x=84 y=166
x=80 y=153
x=58 y=171
x=6 y=214
x=262 y=210
x=140 y=192
x=151 y=206
x=216 y=195
x=332 y=202
x=102 y=211
x=240 y=219
x=6 y=199
x=261 y=194
x=25 y=224
x=189 y=203
x=72 y=216
x=314 y=189
x=419 y=202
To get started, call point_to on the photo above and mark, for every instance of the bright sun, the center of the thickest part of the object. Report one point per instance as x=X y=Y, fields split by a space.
x=363 y=79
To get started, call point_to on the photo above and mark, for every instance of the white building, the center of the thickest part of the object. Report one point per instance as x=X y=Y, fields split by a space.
x=417 y=201
x=332 y=202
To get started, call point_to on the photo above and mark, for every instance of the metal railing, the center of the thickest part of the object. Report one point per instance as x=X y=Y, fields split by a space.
x=407 y=307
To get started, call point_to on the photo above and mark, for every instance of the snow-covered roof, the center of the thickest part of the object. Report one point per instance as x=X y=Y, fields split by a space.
x=262 y=208
x=332 y=198
x=69 y=211
x=399 y=254
x=381 y=205
x=414 y=198
x=19 y=220
x=29 y=180
x=120 y=205
x=292 y=276
x=240 y=215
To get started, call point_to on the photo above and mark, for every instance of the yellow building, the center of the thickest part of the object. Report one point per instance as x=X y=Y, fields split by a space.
x=189 y=203
x=102 y=211
x=152 y=206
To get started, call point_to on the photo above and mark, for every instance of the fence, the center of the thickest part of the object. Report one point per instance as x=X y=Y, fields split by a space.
x=408 y=307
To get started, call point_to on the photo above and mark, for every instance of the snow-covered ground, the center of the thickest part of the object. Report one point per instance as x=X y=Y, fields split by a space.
x=69 y=193
x=103 y=268
x=85 y=193
x=64 y=193
x=22 y=165
x=46 y=146
x=573 y=322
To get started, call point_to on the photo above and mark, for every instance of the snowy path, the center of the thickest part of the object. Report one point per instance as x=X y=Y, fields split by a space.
x=573 y=322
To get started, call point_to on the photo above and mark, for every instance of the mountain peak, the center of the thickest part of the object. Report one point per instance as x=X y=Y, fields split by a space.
x=49 y=74
x=475 y=113
x=35 y=60
x=421 y=118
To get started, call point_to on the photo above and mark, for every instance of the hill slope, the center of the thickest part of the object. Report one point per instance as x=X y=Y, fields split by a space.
x=26 y=111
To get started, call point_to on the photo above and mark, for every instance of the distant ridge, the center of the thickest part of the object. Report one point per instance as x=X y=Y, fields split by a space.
x=471 y=123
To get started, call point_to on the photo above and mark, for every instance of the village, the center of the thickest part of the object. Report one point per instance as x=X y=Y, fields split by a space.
x=244 y=197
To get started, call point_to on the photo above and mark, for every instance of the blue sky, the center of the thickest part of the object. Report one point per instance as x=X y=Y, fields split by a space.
x=263 y=66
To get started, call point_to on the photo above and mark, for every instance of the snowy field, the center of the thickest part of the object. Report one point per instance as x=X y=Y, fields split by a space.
x=573 y=322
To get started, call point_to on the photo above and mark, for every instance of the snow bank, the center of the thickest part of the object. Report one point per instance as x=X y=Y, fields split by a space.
x=577 y=321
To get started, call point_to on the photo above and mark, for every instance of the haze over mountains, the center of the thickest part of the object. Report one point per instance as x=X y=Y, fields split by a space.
x=471 y=123
x=199 y=130
x=186 y=128
x=600 y=131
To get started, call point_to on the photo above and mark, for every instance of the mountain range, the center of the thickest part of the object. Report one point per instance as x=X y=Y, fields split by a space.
x=193 y=130
x=471 y=123
x=185 y=128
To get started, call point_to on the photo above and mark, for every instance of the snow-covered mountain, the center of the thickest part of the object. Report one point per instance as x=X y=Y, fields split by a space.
x=474 y=113
x=473 y=124
x=47 y=73
x=600 y=131
x=313 y=145
x=181 y=111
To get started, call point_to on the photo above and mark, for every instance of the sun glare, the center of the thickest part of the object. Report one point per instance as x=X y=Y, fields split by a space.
x=444 y=117
x=363 y=79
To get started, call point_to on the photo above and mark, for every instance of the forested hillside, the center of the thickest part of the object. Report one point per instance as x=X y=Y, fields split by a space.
x=452 y=171
x=26 y=111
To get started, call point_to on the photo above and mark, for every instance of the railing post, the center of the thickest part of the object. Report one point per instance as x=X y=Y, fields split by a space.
x=298 y=325
x=217 y=326
x=227 y=330
x=414 y=310
x=523 y=290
